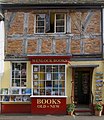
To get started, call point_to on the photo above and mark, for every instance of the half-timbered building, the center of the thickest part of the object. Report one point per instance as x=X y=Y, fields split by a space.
x=53 y=55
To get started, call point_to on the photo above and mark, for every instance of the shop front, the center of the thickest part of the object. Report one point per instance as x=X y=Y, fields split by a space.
x=46 y=85
x=49 y=85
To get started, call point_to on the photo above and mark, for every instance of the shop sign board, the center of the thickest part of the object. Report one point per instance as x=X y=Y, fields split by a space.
x=48 y=105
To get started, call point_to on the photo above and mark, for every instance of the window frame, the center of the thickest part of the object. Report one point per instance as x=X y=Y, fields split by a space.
x=54 y=27
x=35 y=22
x=64 y=23
x=18 y=62
x=48 y=80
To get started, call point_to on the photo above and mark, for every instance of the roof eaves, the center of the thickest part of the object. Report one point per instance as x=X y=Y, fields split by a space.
x=50 y=6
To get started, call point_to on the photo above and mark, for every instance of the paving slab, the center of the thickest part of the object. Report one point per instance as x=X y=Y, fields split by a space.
x=49 y=117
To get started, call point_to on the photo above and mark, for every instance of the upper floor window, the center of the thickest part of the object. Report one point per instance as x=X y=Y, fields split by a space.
x=18 y=75
x=40 y=23
x=50 y=23
x=60 y=21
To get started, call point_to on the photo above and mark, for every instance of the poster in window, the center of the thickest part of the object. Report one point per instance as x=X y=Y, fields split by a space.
x=48 y=76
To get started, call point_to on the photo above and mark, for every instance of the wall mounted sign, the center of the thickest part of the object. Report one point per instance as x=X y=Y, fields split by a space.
x=49 y=59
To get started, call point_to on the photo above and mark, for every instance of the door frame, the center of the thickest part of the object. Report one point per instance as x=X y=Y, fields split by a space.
x=90 y=69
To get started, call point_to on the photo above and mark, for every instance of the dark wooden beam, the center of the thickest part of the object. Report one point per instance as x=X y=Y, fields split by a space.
x=52 y=6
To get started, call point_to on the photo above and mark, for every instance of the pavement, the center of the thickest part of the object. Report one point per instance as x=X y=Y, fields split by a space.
x=48 y=117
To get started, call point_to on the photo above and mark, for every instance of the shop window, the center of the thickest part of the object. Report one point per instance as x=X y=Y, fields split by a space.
x=49 y=80
x=18 y=74
x=52 y=23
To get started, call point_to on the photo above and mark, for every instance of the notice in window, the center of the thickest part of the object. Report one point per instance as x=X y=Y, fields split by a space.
x=48 y=76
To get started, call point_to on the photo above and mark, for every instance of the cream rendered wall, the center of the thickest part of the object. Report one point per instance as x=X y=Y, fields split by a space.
x=29 y=74
x=5 y=82
x=68 y=83
x=100 y=68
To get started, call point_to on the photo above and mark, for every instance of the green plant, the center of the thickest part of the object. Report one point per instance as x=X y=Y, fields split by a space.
x=98 y=107
x=70 y=107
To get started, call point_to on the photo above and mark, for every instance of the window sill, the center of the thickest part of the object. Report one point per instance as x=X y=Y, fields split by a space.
x=53 y=34
x=48 y=96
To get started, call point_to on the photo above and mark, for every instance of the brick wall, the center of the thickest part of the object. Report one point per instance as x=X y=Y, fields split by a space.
x=16 y=23
x=14 y=46
x=32 y=46
x=87 y=41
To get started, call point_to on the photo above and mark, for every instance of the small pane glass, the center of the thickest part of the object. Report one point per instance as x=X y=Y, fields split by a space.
x=60 y=16
x=49 y=68
x=42 y=92
x=55 y=68
x=61 y=76
x=48 y=91
x=35 y=68
x=40 y=23
x=59 y=29
x=55 y=91
x=41 y=84
x=35 y=76
x=42 y=76
x=49 y=76
x=36 y=92
x=23 y=83
x=60 y=23
x=17 y=74
x=55 y=76
x=62 y=84
x=62 y=68
x=62 y=92
x=55 y=84
x=40 y=17
x=17 y=82
x=23 y=73
x=15 y=90
x=13 y=83
x=48 y=83
x=17 y=66
x=42 y=68
x=40 y=29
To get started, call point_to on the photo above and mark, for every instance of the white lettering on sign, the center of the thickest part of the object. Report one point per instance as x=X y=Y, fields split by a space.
x=48 y=103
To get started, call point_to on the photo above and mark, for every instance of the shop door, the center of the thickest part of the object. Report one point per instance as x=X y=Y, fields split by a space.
x=82 y=83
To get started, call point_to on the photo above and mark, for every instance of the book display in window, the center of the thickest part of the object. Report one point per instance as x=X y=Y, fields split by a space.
x=26 y=98
x=18 y=74
x=26 y=91
x=15 y=94
x=48 y=79
x=5 y=98
x=23 y=82
x=4 y=91
x=15 y=90
x=48 y=76
x=48 y=90
x=99 y=86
